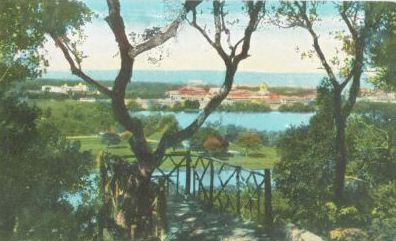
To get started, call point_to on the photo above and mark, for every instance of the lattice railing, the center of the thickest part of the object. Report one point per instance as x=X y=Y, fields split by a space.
x=218 y=184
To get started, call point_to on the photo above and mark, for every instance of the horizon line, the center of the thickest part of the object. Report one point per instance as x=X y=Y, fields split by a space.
x=181 y=70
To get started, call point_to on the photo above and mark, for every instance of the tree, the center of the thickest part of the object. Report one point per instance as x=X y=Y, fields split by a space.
x=191 y=104
x=304 y=174
x=199 y=137
x=23 y=28
x=355 y=45
x=38 y=168
x=134 y=105
x=382 y=49
x=148 y=159
x=215 y=144
x=110 y=138
x=250 y=141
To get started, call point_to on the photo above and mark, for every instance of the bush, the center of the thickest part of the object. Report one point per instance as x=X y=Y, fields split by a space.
x=198 y=139
x=78 y=118
x=215 y=144
x=134 y=106
x=110 y=138
x=191 y=104
x=125 y=135
x=296 y=107
x=250 y=141
x=245 y=106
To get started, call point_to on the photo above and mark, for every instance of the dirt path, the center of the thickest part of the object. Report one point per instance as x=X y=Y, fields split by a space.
x=189 y=221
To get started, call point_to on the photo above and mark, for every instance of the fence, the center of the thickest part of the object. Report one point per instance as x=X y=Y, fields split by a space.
x=218 y=184
x=214 y=182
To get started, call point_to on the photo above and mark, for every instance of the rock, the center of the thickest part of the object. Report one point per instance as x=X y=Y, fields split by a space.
x=292 y=233
x=348 y=234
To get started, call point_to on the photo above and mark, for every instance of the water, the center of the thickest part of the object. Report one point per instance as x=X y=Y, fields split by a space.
x=220 y=177
x=212 y=77
x=268 y=121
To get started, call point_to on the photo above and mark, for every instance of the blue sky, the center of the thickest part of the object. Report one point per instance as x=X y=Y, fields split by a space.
x=272 y=49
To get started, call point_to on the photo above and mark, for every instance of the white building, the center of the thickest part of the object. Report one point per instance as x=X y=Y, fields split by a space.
x=65 y=89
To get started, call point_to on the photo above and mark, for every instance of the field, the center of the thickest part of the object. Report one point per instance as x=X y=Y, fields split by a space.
x=265 y=156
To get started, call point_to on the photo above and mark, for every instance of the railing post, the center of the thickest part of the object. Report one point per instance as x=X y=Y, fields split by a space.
x=211 y=187
x=177 y=180
x=162 y=208
x=238 y=187
x=268 y=198
x=194 y=183
x=188 y=173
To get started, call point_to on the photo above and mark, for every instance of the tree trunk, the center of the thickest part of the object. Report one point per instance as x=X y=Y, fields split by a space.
x=7 y=224
x=129 y=196
x=341 y=158
x=340 y=149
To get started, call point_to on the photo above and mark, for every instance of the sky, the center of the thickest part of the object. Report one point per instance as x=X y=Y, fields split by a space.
x=272 y=49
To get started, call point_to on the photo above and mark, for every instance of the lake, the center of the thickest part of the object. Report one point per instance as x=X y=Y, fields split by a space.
x=267 y=121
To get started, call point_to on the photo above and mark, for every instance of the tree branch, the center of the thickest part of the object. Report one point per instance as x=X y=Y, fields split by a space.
x=353 y=93
x=235 y=47
x=5 y=73
x=352 y=30
x=138 y=141
x=316 y=45
x=166 y=33
x=175 y=138
x=254 y=19
x=218 y=48
x=169 y=140
x=224 y=26
x=77 y=71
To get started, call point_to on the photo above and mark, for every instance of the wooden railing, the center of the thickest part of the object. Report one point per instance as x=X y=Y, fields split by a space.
x=215 y=183
x=220 y=185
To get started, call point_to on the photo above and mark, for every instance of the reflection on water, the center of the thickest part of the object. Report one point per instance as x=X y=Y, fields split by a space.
x=268 y=121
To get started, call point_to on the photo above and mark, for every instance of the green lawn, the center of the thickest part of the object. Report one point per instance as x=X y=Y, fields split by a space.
x=267 y=155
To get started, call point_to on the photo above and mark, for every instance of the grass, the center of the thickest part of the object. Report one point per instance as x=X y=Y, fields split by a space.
x=95 y=145
x=267 y=155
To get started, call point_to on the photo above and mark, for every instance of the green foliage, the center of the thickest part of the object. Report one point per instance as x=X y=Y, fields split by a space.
x=159 y=124
x=187 y=105
x=110 y=138
x=191 y=104
x=250 y=141
x=372 y=155
x=38 y=167
x=383 y=45
x=148 y=90
x=198 y=139
x=245 y=106
x=291 y=91
x=133 y=105
x=215 y=144
x=23 y=27
x=296 y=107
x=78 y=118
x=384 y=211
x=304 y=176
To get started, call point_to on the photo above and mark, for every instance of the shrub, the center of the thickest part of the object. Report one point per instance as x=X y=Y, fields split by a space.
x=215 y=144
x=110 y=138
x=249 y=141
x=125 y=135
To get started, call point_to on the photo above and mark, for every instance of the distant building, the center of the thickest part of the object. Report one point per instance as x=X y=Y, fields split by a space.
x=188 y=93
x=65 y=89
x=53 y=89
x=203 y=95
